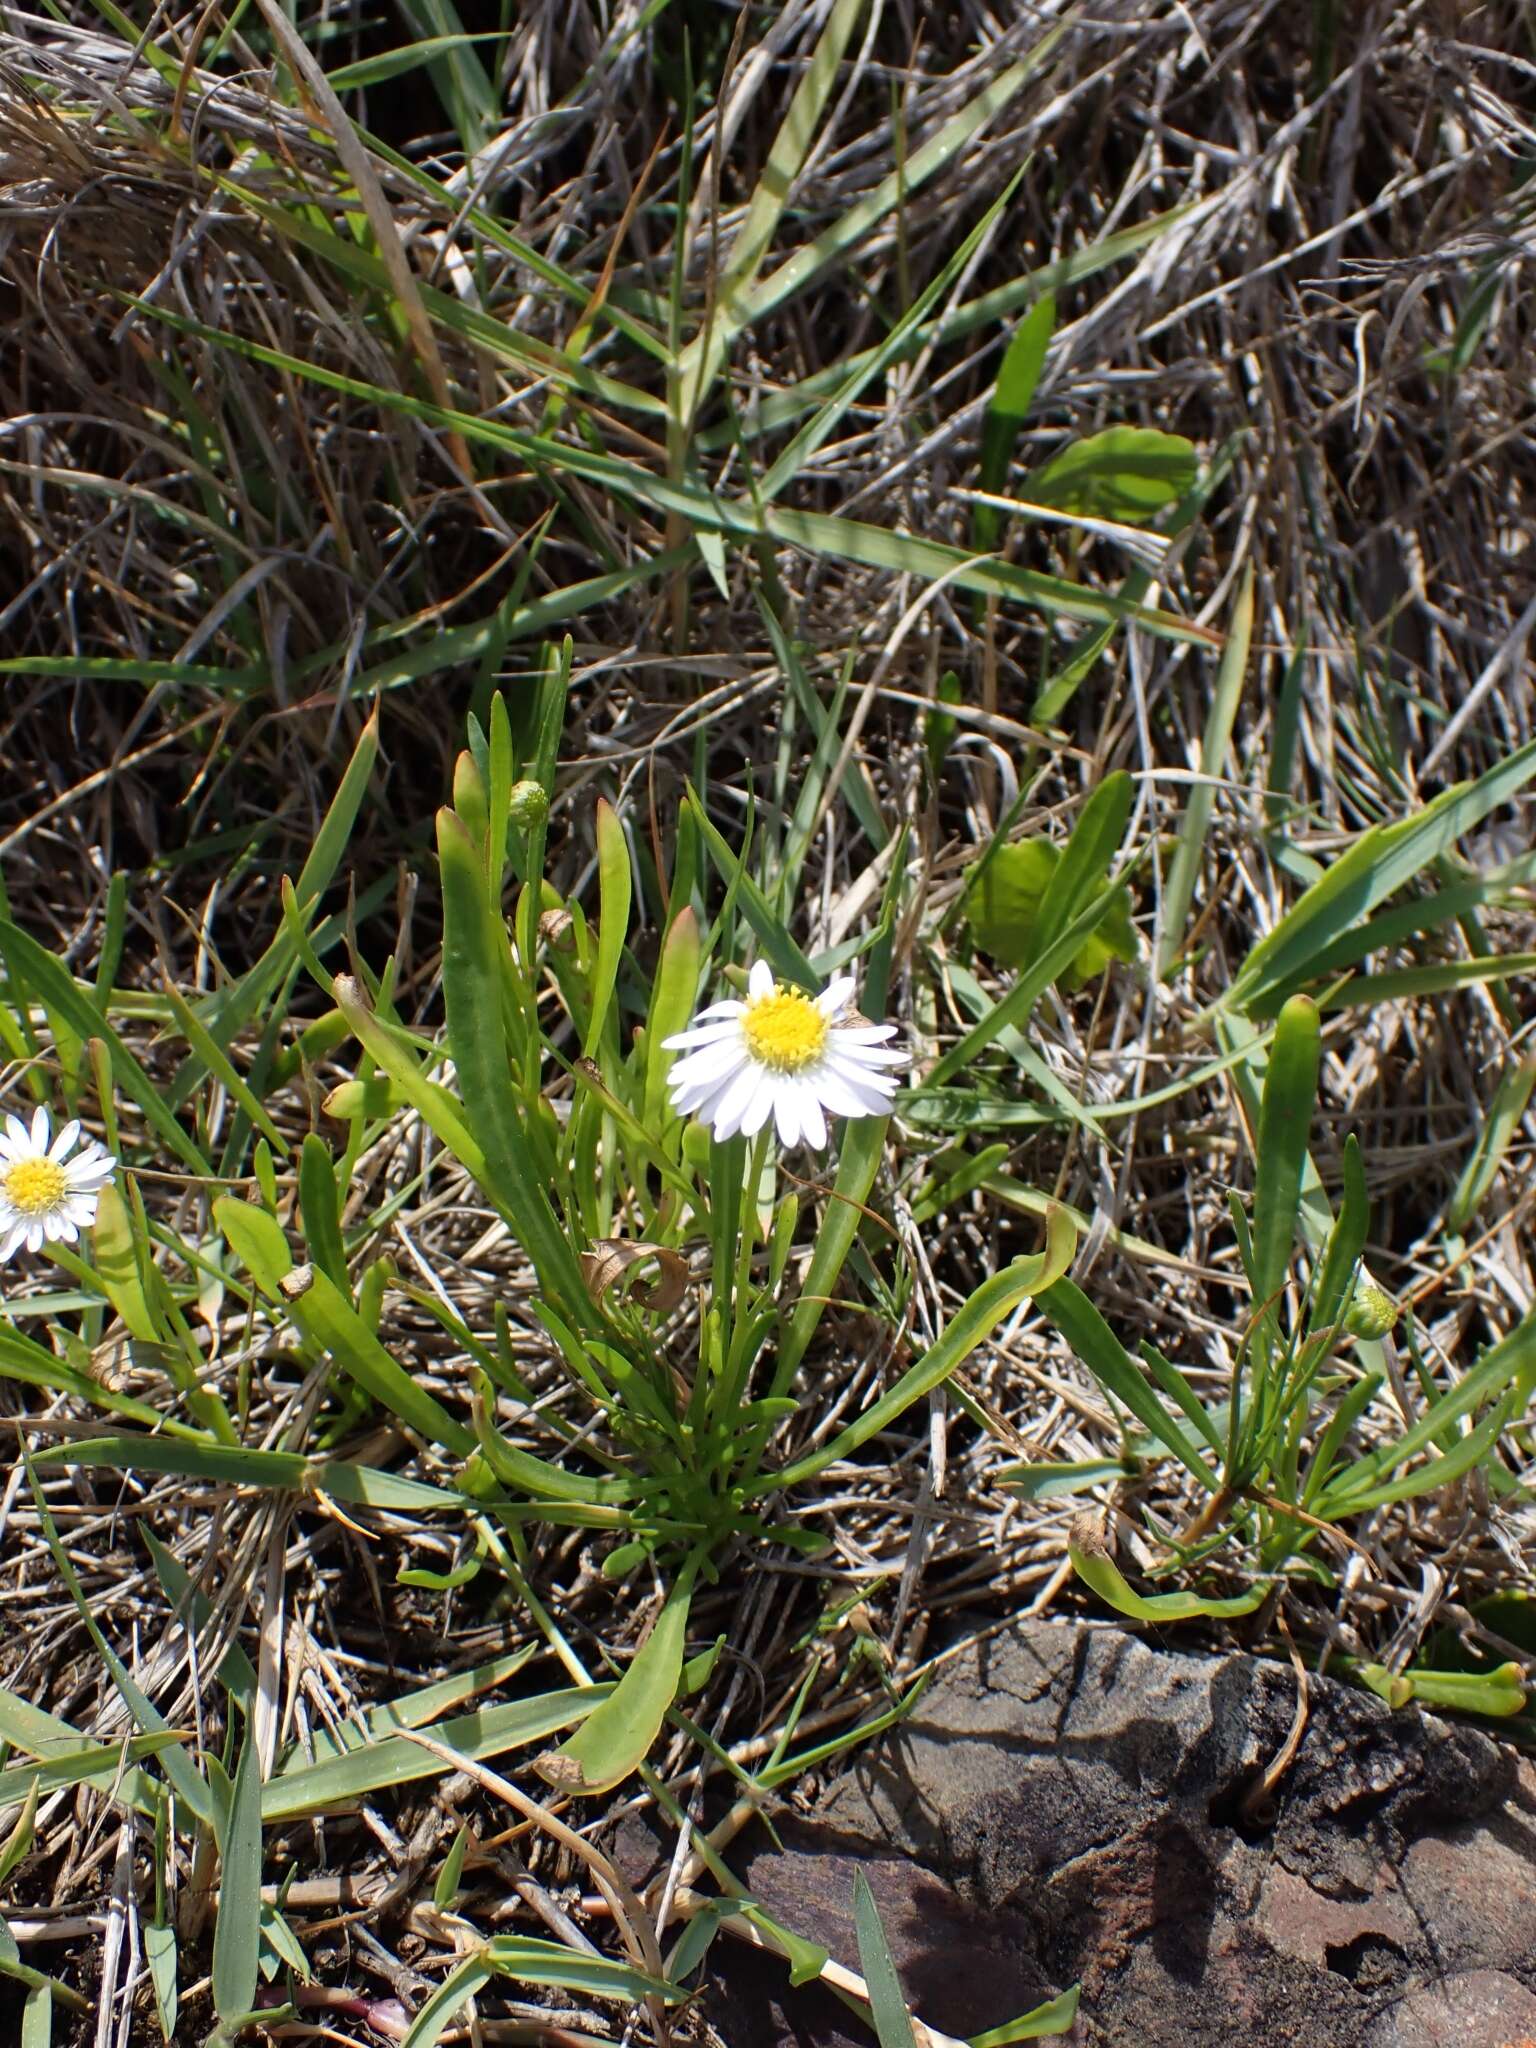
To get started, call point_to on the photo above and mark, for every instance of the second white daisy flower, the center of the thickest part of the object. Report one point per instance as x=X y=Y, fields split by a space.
x=786 y=1055
x=44 y=1193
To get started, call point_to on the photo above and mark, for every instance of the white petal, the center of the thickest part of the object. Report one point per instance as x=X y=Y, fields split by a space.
x=872 y=1101
x=786 y=1113
x=9 y=1149
x=761 y=1107
x=735 y=1100
x=59 y=1226
x=709 y=1060
x=16 y=1131
x=702 y=1034
x=813 y=1125
x=867 y=1055
x=81 y=1209
x=835 y=994
x=760 y=980
x=703 y=1100
x=39 y=1129
x=858 y=1070
x=865 y=1034
x=839 y=1094
x=12 y=1240
x=90 y=1181
x=64 y=1140
x=35 y=1234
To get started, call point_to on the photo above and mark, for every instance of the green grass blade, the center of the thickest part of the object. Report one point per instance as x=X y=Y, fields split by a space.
x=237 y=1924
x=1382 y=861
x=473 y=938
x=1196 y=820
x=36 y=974
x=887 y=2002
x=1071 y=1312
x=383 y=1765
x=971 y=1325
x=700 y=362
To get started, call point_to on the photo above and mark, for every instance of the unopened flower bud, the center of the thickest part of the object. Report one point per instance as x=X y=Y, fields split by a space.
x=1372 y=1312
x=528 y=804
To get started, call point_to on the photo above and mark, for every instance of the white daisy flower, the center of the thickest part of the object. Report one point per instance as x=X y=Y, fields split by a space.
x=43 y=1192
x=782 y=1054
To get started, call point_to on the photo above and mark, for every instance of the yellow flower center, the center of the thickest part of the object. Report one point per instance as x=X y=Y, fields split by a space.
x=34 y=1186
x=784 y=1030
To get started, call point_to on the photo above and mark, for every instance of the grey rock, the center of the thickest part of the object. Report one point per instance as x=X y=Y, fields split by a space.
x=1073 y=1804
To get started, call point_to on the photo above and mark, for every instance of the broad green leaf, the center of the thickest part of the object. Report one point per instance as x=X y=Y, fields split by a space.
x=115 y=1262
x=969 y=1326
x=1125 y=474
x=614 y=1740
x=672 y=999
x=1004 y=912
x=1097 y=1569
x=1013 y=1010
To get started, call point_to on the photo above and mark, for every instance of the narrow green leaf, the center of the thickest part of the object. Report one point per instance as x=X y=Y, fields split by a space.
x=614 y=1740
x=473 y=936
x=52 y=984
x=1097 y=1569
x=887 y=2001
x=392 y=1760
x=1499 y=1126
x=237 y=1925
x=1285 y=1120
x=673 y=996
x=1074 y=1315
x=1012 y=396
x=969 y=1326
x=615 y=884
x=320 y=1210
x=1379 y=863
x=329 y=1320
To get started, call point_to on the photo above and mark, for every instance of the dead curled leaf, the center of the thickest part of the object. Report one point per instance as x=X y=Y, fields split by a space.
x=611 y=1258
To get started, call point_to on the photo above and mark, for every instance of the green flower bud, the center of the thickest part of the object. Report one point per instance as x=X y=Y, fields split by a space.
x=1372 y=1312
x=528 y=804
